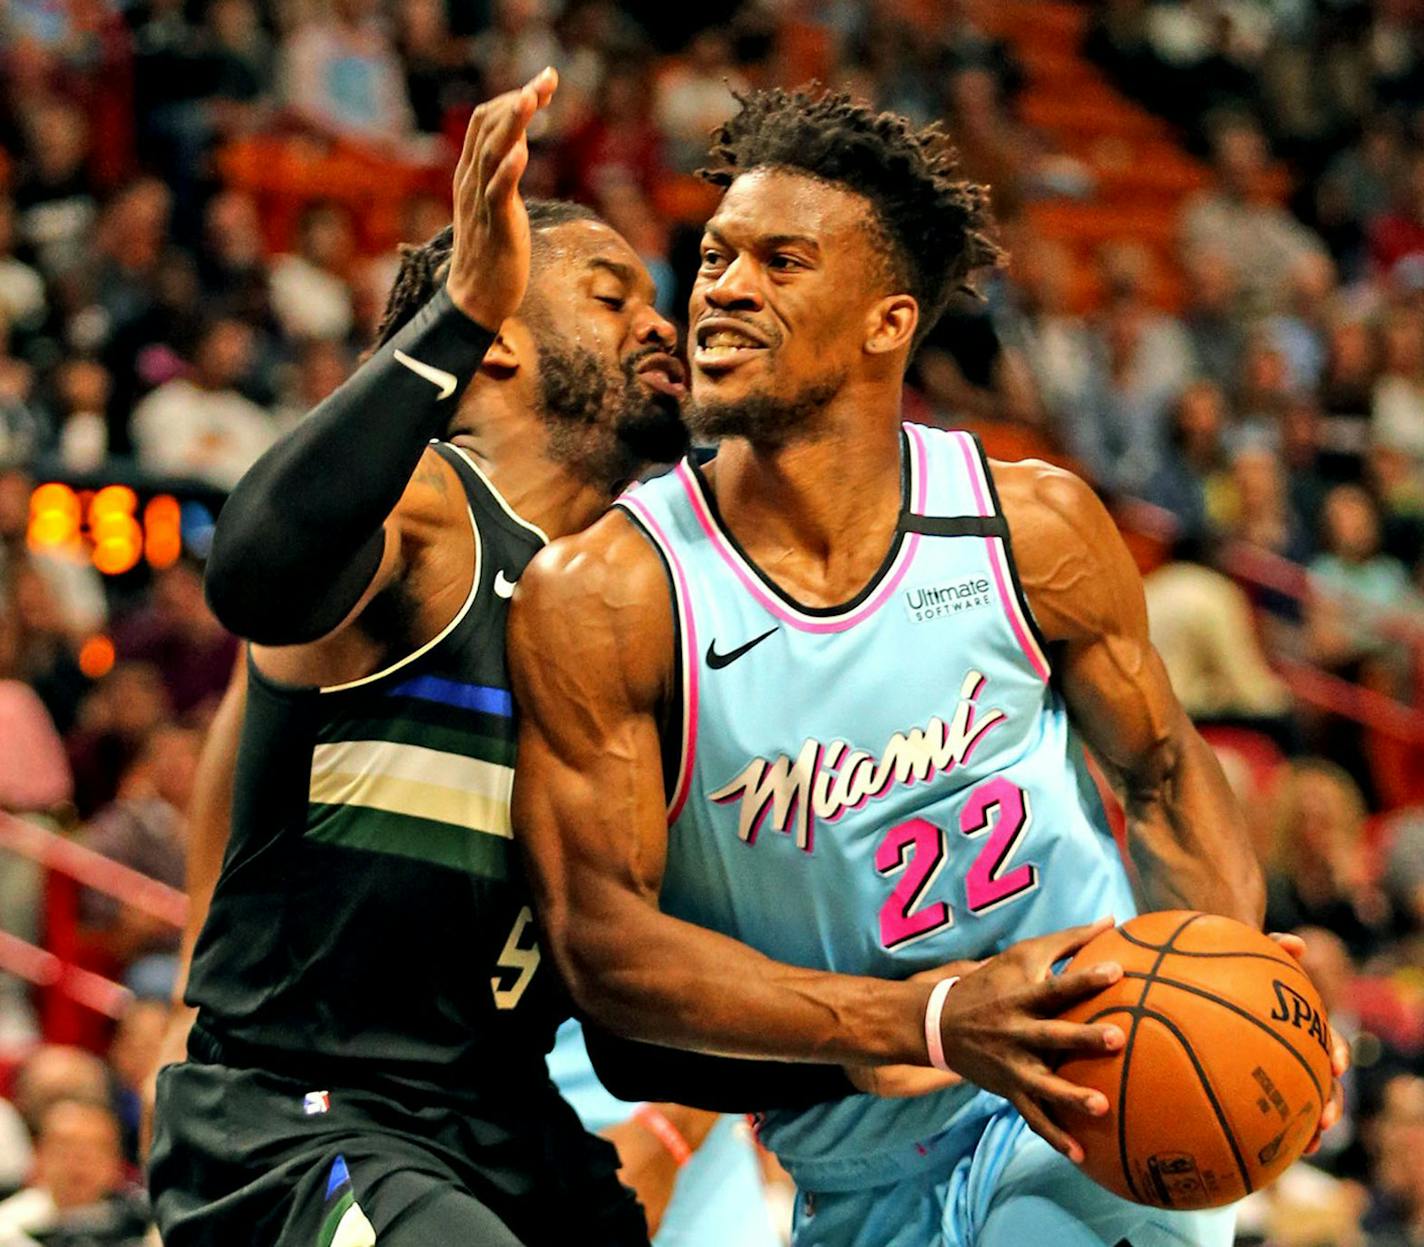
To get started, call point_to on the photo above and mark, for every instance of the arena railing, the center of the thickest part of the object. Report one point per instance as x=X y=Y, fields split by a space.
x=68 y=989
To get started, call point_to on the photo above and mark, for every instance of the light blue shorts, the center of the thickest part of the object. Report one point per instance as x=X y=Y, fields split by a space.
x=1011 y=1190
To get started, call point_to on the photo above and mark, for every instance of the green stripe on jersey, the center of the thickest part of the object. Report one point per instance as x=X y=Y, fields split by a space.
x=458 y=740
x=329 y=1223
x=404 y=835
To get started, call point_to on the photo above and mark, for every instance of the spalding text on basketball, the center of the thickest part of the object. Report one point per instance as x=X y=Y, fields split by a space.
x=1294 y=1008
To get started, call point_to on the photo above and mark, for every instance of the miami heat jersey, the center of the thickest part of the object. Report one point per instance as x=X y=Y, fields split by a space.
x=876 y=788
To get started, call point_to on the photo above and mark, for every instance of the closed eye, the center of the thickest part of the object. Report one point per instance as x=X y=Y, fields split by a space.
x=610 y=300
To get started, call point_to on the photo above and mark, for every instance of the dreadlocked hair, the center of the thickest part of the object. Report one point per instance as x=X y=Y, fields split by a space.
x=423 y=268
x=934 y=225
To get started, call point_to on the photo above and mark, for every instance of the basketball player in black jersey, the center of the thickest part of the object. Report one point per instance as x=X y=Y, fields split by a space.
x=367 y=1059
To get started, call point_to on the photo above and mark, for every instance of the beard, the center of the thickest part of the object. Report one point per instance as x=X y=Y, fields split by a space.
x=770 y=420
x=606 y=427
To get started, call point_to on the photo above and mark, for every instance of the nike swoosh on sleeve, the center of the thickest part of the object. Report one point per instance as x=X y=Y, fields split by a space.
x=443 y=381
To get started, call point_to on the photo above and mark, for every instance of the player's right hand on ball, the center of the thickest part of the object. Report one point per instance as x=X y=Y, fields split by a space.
x=489 y=262
x=1000 y=1030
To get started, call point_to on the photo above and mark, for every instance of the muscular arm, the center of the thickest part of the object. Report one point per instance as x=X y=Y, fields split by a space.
x=588 y=808
x=591 y=657
x=1186 y=834
x=308 y=537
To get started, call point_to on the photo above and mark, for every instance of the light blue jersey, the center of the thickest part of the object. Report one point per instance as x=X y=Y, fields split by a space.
x=879 y=788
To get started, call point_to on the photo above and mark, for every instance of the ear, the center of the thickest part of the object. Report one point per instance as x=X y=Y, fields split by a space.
x=502 y=359
x=890 y=324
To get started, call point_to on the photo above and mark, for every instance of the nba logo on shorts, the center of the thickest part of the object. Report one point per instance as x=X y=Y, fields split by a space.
x=315 y=1102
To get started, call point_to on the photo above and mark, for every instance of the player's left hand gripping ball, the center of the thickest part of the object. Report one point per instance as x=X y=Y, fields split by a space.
x=1339 y=1053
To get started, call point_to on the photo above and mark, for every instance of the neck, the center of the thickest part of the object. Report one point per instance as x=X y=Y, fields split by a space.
x=830 y=497
x=514 y=452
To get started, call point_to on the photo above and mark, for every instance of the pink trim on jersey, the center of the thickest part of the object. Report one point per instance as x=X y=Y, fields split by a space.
x=687 y=629
x=999 y=562
x=787 y=614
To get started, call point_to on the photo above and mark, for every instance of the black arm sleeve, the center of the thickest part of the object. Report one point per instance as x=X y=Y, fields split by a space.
x=302 y=535
x=632 y=1070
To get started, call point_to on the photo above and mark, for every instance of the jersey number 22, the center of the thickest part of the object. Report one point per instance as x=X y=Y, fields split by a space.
x=997 y=813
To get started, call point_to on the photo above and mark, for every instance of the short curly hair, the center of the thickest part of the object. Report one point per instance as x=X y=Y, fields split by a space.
x=935 y=226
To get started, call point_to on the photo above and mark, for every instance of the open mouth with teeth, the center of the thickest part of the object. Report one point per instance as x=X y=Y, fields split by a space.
x=721 y=346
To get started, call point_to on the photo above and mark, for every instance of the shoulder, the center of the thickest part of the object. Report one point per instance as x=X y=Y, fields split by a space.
x=599 y=595
x=1046 y=503
x=1075 y=570
x=435 y=494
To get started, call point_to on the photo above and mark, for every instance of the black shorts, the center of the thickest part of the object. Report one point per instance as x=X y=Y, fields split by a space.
x=243 y=1158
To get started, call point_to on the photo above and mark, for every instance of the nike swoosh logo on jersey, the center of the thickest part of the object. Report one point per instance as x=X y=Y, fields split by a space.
x=503 y=585
x=717 y=661
x=443 y=381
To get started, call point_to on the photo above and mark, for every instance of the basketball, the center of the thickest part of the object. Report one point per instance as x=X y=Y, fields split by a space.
x=1226 y=1068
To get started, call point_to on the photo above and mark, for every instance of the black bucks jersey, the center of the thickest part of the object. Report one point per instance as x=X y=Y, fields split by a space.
x=371 y=923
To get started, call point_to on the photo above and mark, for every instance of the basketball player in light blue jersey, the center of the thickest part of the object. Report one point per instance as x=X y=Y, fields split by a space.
x=811 y=716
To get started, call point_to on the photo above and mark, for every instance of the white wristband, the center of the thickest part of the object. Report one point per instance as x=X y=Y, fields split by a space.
x=934 y=1041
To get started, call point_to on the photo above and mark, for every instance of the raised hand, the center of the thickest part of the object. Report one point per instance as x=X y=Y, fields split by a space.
x=1001 y=1031
x=489 y=263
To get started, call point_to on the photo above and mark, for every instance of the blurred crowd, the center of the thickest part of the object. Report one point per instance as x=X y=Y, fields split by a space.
x=1249 y=397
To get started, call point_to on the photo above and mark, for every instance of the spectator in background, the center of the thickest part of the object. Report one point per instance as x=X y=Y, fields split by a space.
x=21 y=429
x=134 y=1055
x=618 y=143
x=177 y=635
x=1259 y=511
x=1397 y=409
x=518 y=44
x=341 y=76
x=1404 y=865
x=77 y=1193
x=1356 y=587
x=56 y=206
x=1358 y=188
x=438 y=74
x=1301 y=330
x=1300 y=436
x=1263 y=391
x=1347 y=394
x=1209 y=317
x=1233 y=218
x=1191 y=480
x=1399 y=235
x=694 y=96
x=1318 y=874
x=44 y=647
x=142 y=828
x=22 y=290
x=1202 y=627
x=1117 y=424
x=55 y=1072
x=232 y=267
x=83 y=390
x=1397 y=1217
x=199 y=426
x=1057 y=344
x=149 y=349
x=321 y=366
x=34 y=773
x=311 y=294
x=114 y=722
